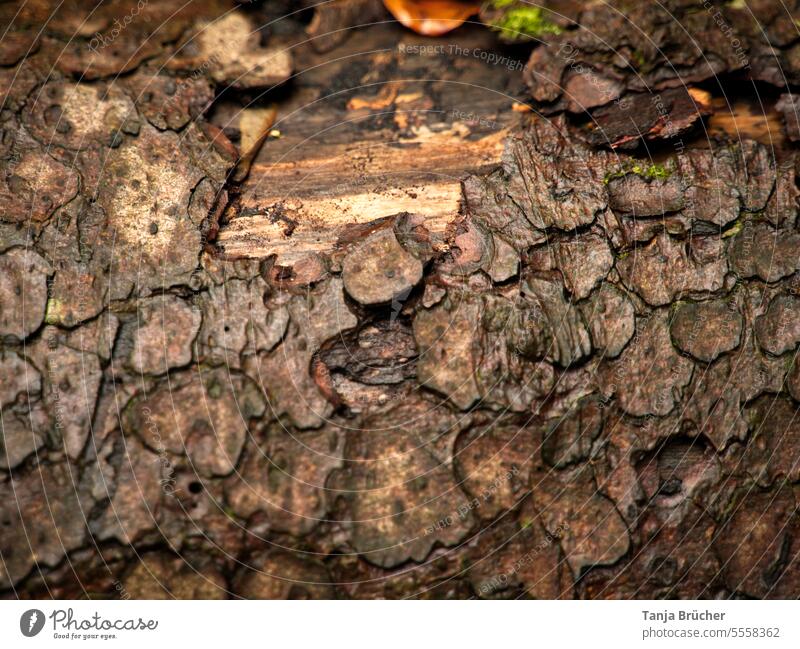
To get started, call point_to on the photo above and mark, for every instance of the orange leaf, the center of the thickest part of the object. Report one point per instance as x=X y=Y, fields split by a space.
x=432 y=17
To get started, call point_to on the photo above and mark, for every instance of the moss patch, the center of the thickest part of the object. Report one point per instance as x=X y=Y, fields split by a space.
x=53 y=313
x=648 y=172
x=522 y=21
x=733 y=229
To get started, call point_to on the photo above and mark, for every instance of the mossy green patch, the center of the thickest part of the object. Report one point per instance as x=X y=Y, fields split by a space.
x=640 y=62
x=53 y=313
x=522 y=21
x=648 y=172
x=652 y=172
x=734 y=229
x=639 y=59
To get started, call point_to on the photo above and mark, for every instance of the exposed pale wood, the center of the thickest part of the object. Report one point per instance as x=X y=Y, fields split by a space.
x=744 y=118
x=379 y=129
x=323 y=195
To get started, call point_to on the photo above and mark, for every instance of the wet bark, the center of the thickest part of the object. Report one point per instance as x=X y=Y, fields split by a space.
x=291 y=307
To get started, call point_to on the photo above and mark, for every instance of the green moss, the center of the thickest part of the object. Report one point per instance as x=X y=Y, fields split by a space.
x=639 y=59
x=652 y=172
x=53 y=312
x=648 y=172
x=518 y=22
x=640 y=62
x=734 y=229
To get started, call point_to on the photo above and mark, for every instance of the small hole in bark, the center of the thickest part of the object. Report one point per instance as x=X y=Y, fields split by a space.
x=195 y=487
